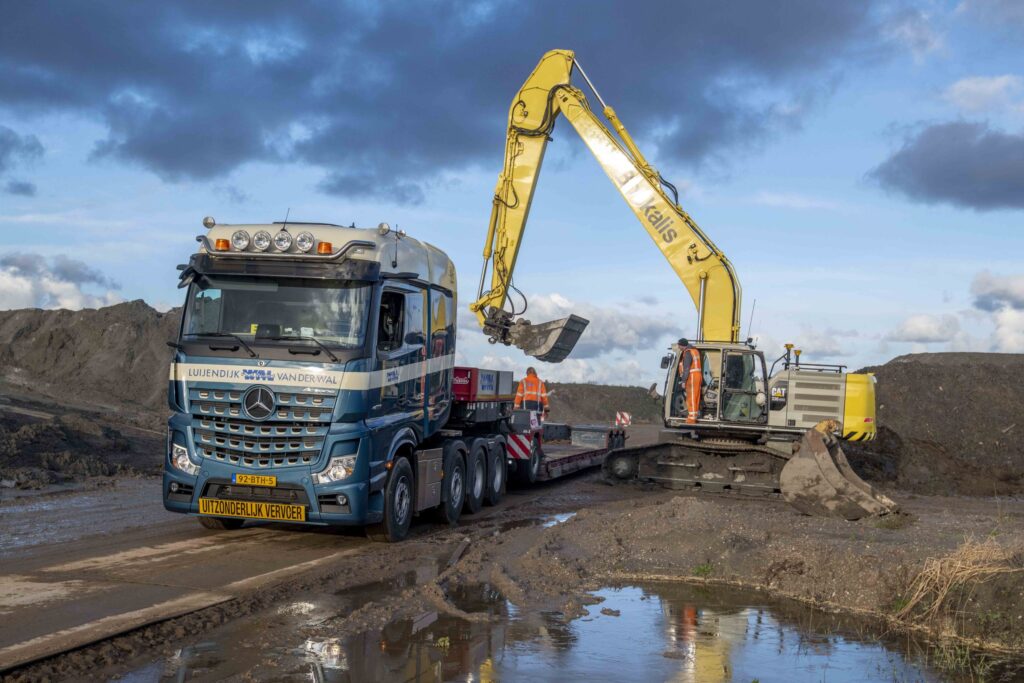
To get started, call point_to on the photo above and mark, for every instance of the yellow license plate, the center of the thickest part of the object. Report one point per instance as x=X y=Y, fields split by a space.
x=252 y=510
x=254 y=479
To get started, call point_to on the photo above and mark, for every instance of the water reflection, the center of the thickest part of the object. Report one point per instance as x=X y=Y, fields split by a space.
x=655 y=632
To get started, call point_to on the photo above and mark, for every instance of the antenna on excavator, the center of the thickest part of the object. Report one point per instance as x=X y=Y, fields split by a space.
x=750 y=323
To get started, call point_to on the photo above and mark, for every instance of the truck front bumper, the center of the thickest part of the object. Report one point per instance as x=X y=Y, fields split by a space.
x=181 y=493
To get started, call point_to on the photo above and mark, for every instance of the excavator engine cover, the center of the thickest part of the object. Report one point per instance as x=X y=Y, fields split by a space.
x=819 y=481
x=550 y=341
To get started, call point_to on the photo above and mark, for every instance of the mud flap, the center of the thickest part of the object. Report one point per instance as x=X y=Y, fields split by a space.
x=551 y=341
x=819 y=481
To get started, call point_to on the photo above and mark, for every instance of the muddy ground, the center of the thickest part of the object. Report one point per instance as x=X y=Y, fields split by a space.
x=620 y=534
x=44 y=442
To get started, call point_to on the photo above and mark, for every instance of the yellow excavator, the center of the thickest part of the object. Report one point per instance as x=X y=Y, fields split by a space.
x=758 y=432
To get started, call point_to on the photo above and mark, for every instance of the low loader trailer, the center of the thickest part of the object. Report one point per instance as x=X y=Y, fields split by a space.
x=313 y=381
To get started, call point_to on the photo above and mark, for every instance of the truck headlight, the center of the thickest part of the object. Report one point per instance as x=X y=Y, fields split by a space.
x=180 y=459
x=240 y=240
x=283 y=241
x=336 y=470
x=304 y=241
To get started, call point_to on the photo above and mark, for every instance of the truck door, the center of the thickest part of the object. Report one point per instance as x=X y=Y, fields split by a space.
x=442 y=348
x=401 y=353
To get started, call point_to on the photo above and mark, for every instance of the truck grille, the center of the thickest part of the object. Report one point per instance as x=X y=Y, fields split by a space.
x=293 y=435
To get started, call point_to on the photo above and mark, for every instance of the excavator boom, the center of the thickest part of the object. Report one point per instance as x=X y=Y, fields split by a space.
x=700 y=265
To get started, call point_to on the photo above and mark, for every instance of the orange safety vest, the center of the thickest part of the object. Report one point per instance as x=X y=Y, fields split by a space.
x=694 y=362
x=693 y=379
x=532 y=389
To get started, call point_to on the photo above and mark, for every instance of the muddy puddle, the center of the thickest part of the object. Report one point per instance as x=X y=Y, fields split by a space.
x=651 y=632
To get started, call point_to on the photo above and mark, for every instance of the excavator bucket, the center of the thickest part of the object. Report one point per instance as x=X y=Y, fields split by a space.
x=551 y=341
x=819 y=481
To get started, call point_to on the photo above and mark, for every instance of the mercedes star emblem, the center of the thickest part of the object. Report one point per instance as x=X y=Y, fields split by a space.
x=258 y=402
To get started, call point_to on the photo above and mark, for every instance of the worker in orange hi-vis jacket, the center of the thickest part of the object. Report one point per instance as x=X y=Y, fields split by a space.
x=532 y=394
x=692 y=376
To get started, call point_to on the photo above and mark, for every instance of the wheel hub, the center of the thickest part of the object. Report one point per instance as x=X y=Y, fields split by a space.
x=403 y=500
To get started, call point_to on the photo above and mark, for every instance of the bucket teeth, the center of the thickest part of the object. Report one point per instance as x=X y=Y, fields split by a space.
x=819 y=481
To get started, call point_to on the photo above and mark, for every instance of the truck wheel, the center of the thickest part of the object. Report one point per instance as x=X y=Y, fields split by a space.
x=497 y=472
x=476 y=476
x=399 y=500
x=528 y=470
x=221 y=523
x=453 y=486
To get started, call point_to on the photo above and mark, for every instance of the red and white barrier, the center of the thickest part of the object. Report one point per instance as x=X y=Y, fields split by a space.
x=519 y=446
x=623 y=419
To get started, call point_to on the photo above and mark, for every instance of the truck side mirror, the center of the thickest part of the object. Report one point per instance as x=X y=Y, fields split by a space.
x=666 y=362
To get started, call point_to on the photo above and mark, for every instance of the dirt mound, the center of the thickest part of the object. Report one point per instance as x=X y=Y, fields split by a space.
x=114 y=356
x=36 y=450
x=949 y=423
x=598 y=403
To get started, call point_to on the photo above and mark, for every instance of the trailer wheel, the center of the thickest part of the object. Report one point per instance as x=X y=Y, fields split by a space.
x=527 y=471
x=476 y=476
x=221 y=523
x=399 y=501
x=497 y=472
x=453 y=486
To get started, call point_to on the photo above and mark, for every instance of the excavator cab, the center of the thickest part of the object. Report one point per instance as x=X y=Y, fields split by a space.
x=732 y=390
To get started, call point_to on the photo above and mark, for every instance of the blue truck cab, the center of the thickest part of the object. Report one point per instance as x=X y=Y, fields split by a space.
x=312 y=380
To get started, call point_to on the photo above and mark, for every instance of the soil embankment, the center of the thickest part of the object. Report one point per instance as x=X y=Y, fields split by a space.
x=82 y=393
x=115 y=356
x=598 y=403
x=949 y=423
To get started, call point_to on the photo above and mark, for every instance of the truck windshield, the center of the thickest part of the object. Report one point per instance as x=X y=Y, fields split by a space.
x=332 y=312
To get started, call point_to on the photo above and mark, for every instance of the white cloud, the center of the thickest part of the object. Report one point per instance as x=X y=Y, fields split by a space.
x=30 y=281
x=623 y=371
x=1002 y=297
x=925 y=328
x=789 y=200
x=1008 y=336
x=985 y=93
x=611 y=329
x=993 y=292
x=913 y=29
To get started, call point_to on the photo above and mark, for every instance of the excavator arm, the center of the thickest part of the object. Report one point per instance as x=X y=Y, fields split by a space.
x=700 y=265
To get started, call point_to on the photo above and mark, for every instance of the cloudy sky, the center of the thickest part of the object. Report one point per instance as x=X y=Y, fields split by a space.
x=862 y=164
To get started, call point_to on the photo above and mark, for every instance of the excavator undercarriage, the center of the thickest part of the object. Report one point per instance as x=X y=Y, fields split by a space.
x=814 y=477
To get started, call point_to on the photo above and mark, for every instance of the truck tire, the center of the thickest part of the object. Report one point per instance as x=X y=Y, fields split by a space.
x=476 y=475
x=497 y=472
x=527 y=471
x=453 y=486
x=399 y=503
x=221 y=523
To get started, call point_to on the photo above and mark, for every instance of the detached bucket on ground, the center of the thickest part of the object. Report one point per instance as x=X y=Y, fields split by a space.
x=819 y=481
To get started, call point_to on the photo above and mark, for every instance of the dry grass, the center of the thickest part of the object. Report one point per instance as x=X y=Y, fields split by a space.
x=943 y=577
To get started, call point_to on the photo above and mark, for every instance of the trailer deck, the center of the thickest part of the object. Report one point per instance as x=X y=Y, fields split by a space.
x=567 y=449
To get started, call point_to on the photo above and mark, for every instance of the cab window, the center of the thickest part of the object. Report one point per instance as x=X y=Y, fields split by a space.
x=390 y=325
